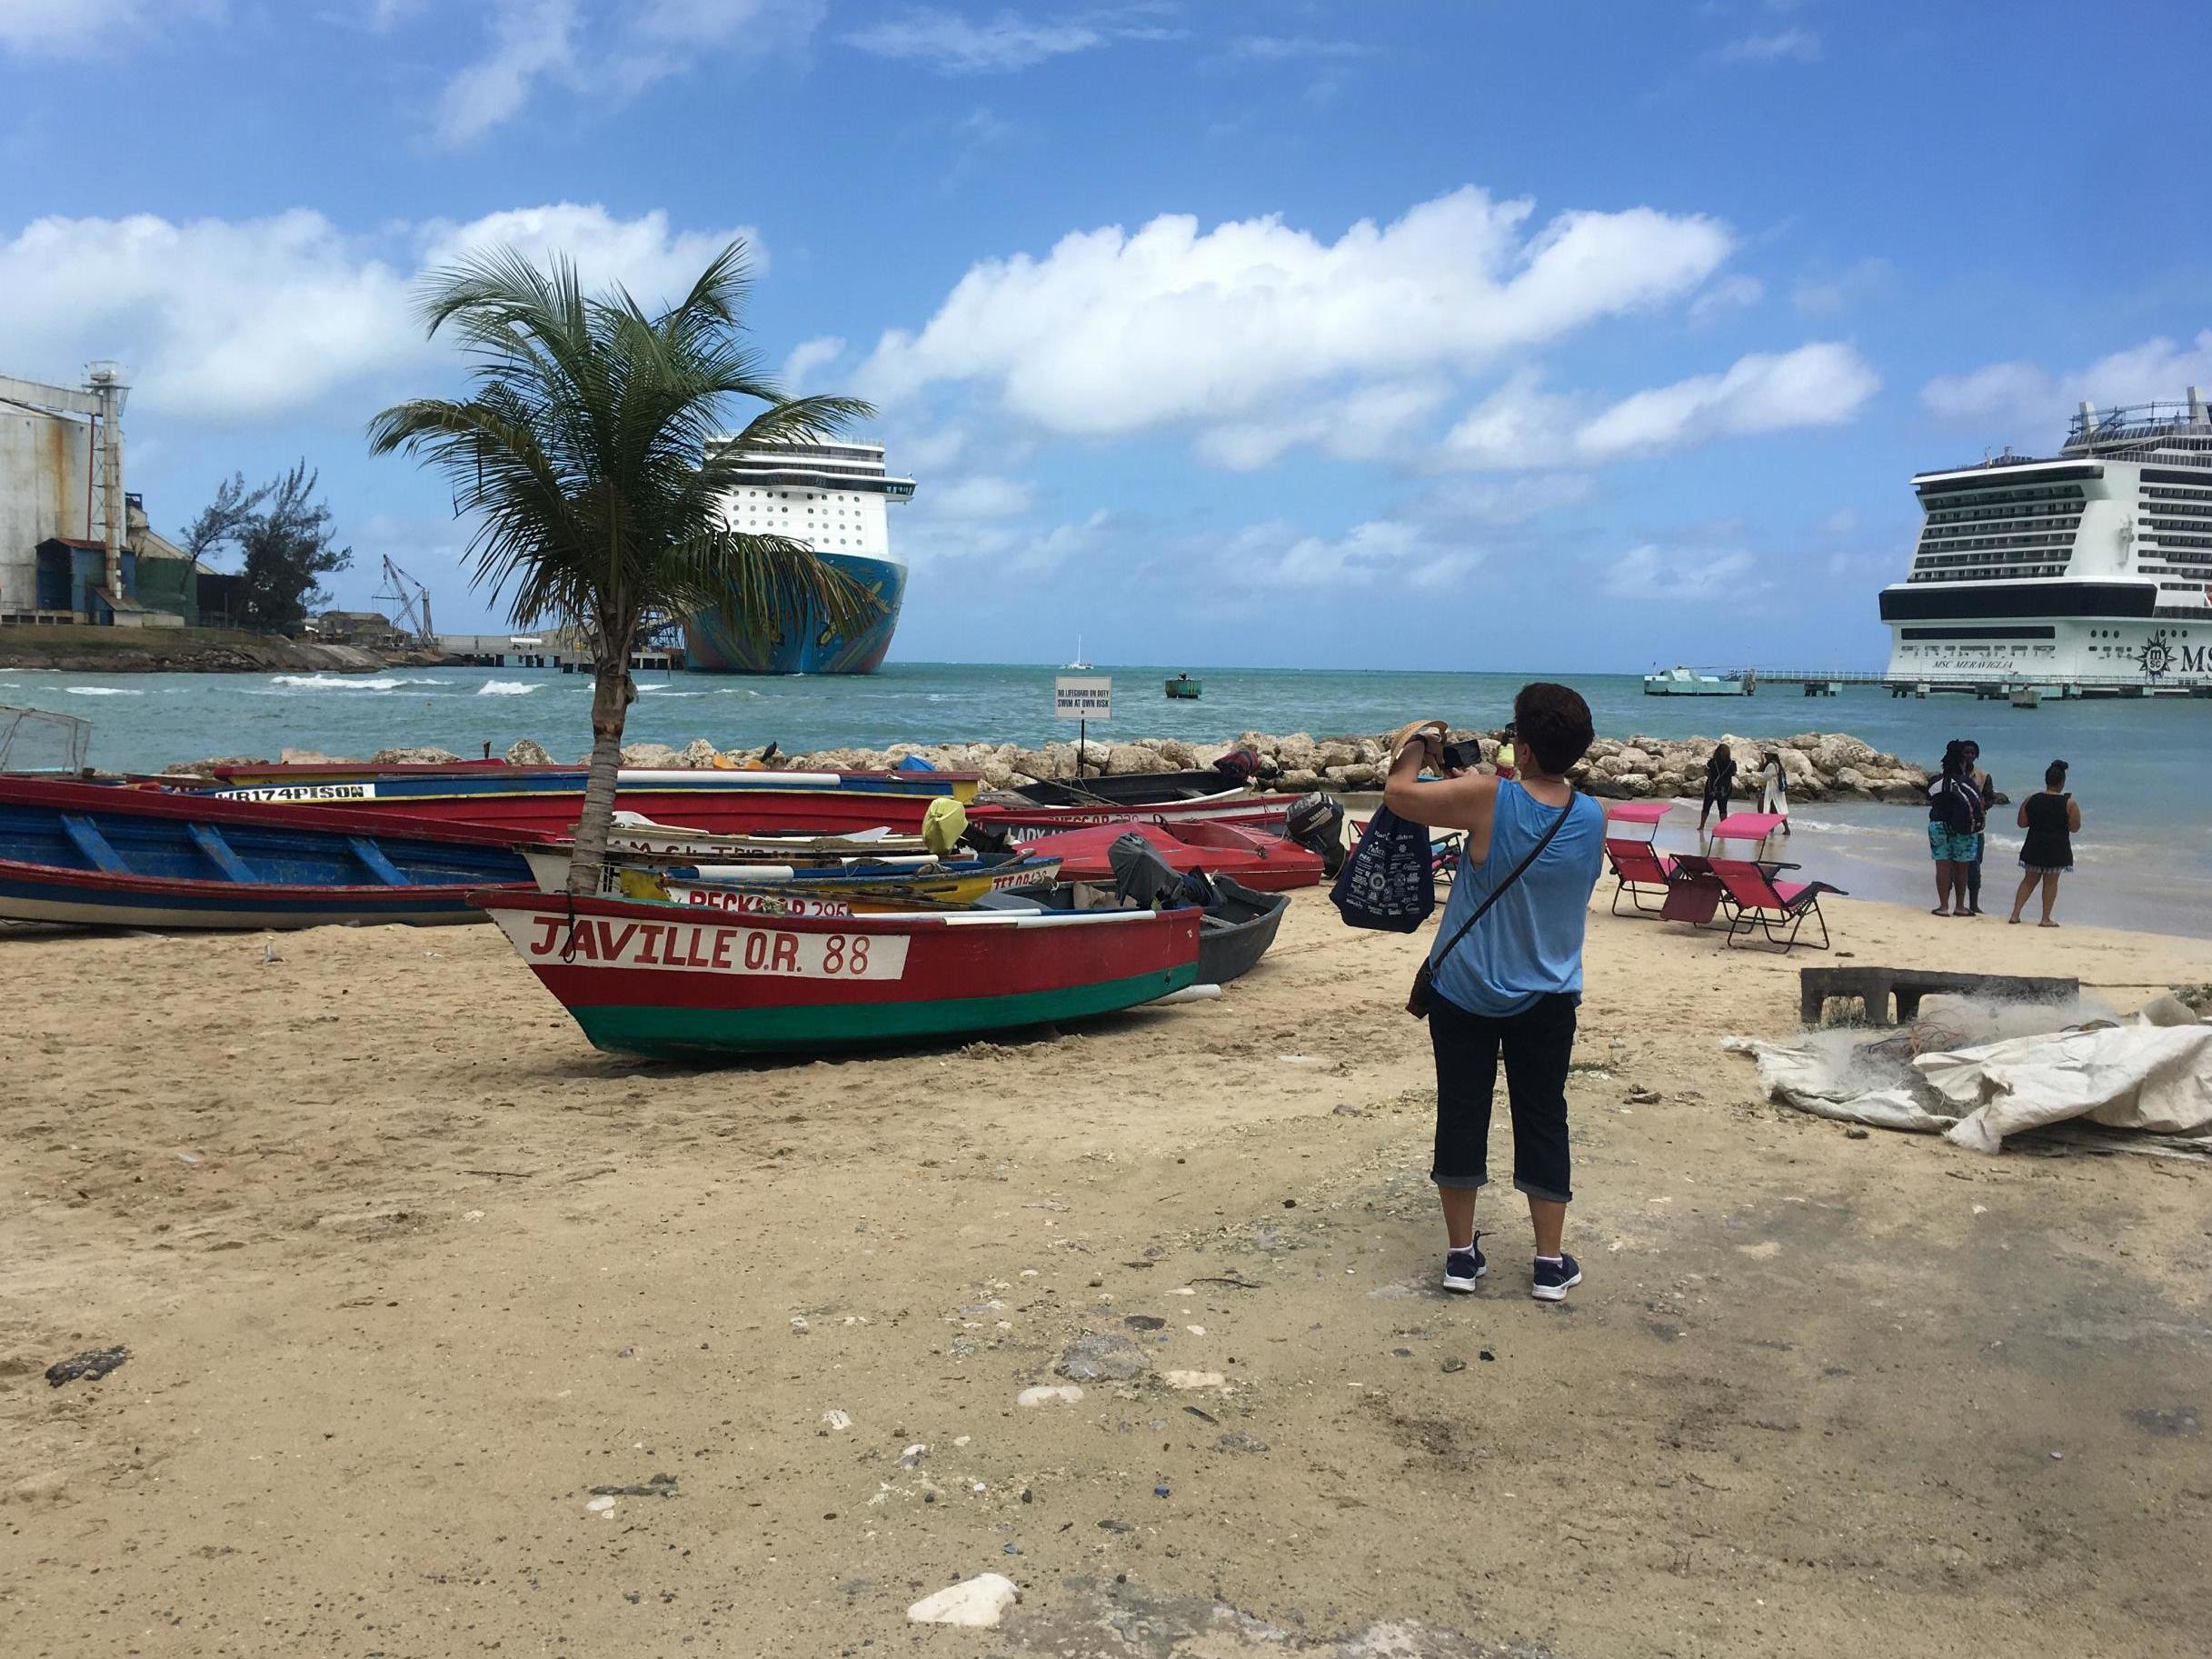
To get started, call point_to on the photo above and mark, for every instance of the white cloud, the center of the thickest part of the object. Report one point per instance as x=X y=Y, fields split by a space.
x=1652 y=572
x=1363 y=423
x=1821 y=385
x=1113 y=333
x=1520 y=424
x=531 y=39
x=627 y=49
x=2158 y=369
x=1736 y=293
x=966 y=500
x=1841 y=522
x=1296 y=48
x=1275 y=555
x=91 y=27
x=1509 y=501
x=1865 y=280
x=952 y=44
x=245 y=320
x=1790 y=46
x=809 y=355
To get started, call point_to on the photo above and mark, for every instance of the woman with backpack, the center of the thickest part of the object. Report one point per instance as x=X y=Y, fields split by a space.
x=1953 y=811
x=1720 y=783
x=1505 y=975
x=2052 y=818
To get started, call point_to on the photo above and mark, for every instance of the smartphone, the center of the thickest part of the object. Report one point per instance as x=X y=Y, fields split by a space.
x=1463 y=755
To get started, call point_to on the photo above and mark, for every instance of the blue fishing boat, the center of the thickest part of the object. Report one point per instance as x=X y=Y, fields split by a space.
x=108 y=856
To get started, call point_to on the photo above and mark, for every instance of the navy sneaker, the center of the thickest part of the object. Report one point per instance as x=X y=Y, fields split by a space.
x=1554 y=1279
x=1463 y=1268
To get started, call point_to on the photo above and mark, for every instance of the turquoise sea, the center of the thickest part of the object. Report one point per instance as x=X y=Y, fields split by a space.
x=2143 y=769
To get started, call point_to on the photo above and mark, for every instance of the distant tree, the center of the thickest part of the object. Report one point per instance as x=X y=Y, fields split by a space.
x=283 y=537
x=225 y=516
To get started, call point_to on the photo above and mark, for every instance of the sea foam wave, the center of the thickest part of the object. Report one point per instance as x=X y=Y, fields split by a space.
x=101 y=690
x=506 y=688
x=334 y=682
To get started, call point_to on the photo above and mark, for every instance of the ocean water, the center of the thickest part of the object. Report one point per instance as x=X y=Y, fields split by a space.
x=2142 y=769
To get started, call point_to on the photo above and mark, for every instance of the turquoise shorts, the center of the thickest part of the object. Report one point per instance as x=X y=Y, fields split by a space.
x=1948 y=845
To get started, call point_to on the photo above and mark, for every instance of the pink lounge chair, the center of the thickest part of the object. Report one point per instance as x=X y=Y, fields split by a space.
x=1638 y=868
x=1757 y=900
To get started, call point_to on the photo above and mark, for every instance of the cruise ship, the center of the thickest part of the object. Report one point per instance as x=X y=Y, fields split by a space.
x=835 y=498
x=2087 y=572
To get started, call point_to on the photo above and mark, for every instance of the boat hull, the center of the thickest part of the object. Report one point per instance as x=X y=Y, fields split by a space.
x=799 y=639
x=106 y=856
x=653 y=979
x=550 y=801
x=1264 y=862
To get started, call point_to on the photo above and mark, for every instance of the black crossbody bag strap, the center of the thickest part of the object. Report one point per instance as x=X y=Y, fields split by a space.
x=1417 y=1005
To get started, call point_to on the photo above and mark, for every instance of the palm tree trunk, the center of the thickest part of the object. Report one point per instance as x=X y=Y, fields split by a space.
x=611 y=695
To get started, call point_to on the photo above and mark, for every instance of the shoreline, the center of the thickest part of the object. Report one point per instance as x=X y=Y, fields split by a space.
x=79 y=649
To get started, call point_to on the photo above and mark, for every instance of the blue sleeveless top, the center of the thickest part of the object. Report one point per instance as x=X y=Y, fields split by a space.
x=1530 y=944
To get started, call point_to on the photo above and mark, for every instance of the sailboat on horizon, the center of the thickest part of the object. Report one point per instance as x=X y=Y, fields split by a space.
x=1080 y=662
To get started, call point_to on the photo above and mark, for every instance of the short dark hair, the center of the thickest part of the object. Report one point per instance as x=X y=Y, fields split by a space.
x=2054 y=774
x=1554 y=722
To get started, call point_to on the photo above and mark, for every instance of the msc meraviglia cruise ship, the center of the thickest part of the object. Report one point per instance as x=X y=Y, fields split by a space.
x=833 y=497
x=2087 y=571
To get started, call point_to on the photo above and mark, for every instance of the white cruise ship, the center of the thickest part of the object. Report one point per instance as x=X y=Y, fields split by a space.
x=2087 y=572
x=833 y=497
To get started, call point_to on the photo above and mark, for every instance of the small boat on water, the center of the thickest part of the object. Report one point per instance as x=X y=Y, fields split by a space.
x=1680 y=682
x=106 y=856
x=1267 y=864
x=643 y=978
x=549 y=799
x=1183 y=688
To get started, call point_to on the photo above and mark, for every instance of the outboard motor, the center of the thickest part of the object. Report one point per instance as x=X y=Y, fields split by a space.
x=1142 y=876
x=1316 y=822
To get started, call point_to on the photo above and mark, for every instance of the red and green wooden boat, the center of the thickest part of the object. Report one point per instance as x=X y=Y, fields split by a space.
x=656 y=979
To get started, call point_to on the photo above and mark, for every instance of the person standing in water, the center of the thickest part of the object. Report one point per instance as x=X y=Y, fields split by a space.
x=1774 y=789
x=1720 y=783
x=1985 y=791
x=1953 y=811
x=2052 y=818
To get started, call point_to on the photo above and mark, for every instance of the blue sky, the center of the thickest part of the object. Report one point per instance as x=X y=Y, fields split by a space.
x=1563 y=335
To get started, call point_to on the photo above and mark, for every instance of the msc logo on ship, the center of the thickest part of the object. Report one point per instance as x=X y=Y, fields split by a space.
x=2160 y=657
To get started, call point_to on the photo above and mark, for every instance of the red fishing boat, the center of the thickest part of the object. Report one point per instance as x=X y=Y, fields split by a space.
x=1265 y=862
x=663 y=979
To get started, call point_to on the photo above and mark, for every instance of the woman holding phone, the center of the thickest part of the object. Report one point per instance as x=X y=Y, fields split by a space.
x=1509 y=984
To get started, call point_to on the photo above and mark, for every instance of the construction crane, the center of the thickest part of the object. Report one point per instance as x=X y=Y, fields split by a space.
x=410 y=603
x=100 y=398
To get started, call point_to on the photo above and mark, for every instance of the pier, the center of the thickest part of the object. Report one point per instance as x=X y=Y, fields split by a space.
x=525 y=651
x=2022 y=693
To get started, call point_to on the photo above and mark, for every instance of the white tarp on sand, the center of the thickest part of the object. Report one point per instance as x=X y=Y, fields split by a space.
x=2151 y=1073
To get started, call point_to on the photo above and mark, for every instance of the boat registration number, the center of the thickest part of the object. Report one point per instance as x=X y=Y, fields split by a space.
x=301 y=792
x=758 y=904
x=709 y=947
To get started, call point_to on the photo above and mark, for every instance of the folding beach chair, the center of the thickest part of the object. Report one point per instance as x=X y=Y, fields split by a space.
x=1639 y=869
x=1757 y=900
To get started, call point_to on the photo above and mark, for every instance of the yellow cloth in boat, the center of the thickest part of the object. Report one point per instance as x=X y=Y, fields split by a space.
x=636 y=884
x=944 y=824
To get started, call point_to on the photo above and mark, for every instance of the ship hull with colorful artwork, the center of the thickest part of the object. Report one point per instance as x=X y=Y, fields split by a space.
x=798 y=639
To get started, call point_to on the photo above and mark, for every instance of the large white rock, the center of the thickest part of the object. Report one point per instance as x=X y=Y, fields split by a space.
x=976 y=1604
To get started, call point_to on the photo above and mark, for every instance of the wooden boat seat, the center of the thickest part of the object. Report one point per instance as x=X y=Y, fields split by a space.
x=86 y=836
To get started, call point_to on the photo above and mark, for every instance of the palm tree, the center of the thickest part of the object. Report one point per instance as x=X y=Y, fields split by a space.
x=591 y=456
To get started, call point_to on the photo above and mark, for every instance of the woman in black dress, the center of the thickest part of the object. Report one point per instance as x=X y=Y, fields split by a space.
x=1720 y=783
x=2052 y=817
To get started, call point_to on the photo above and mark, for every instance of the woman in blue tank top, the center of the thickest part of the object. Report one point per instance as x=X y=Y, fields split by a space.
x=1511 y=986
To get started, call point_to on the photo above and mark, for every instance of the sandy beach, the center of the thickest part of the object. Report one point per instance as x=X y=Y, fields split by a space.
x=406 y=1270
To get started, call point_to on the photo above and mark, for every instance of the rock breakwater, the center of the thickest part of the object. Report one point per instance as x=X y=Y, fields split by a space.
x=1820 y=766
